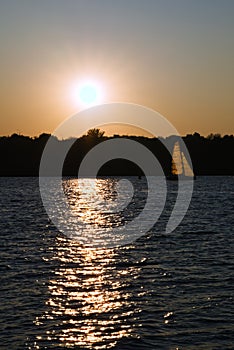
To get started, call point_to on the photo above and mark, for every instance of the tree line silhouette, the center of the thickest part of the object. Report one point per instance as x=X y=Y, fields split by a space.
x=211 y=155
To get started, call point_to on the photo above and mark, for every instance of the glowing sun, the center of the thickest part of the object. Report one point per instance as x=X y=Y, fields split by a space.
x=89 y=93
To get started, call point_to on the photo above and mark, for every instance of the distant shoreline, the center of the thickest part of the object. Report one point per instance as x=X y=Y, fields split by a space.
x=21 y=155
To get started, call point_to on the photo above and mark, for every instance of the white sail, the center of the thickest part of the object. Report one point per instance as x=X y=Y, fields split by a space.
x=180 y=165
x=187 y=169
x=177 y=167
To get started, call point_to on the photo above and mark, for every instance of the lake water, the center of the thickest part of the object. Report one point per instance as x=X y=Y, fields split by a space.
x=163 y=291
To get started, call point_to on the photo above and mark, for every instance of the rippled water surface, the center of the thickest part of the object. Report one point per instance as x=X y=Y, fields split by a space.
x=163 y=291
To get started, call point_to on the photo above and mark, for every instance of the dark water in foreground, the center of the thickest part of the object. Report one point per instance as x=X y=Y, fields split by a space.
x=162 y=292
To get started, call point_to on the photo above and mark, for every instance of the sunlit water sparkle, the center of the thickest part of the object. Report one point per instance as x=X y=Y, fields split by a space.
x=161 y=292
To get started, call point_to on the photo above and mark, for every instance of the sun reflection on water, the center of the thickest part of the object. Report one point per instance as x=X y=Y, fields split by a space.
x=91 y=200
x=90 y=301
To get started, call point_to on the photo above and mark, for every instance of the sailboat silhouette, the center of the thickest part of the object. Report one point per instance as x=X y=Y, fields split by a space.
x=180 y=166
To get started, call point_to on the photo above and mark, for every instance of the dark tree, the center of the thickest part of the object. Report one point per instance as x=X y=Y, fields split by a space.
x=95 y=133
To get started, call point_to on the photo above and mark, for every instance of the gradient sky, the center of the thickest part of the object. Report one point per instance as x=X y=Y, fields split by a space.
x=175 y=56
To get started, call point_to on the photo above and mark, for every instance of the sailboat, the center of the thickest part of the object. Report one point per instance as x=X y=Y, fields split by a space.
x=180 y=167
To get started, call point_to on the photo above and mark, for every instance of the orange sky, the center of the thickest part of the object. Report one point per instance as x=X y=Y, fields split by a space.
x=174 y=57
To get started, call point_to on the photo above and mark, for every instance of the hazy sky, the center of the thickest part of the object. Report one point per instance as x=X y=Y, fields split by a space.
x=175 y=56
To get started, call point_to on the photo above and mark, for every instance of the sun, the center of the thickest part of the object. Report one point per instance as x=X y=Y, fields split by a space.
x=89 y=93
